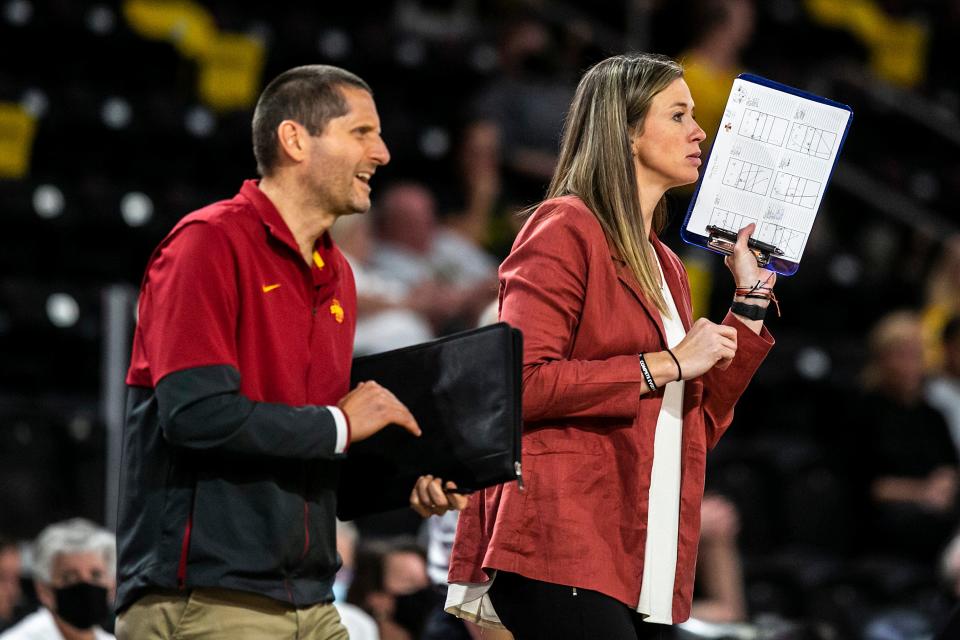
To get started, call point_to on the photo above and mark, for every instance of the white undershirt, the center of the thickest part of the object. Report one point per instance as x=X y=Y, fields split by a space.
x=663 y=513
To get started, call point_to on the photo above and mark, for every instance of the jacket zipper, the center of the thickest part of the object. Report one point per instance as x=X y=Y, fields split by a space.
x=518 y=412
x=306 y=471
x=184 y=549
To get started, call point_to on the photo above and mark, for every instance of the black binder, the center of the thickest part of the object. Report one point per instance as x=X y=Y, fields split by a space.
x=464 y=391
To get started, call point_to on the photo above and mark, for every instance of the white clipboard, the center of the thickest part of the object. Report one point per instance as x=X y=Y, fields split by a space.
x=770 y=164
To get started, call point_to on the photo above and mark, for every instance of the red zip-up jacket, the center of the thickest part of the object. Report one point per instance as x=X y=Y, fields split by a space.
x=231 y=442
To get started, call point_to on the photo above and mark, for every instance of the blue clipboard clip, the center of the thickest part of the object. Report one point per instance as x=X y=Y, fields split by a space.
x=722 y=240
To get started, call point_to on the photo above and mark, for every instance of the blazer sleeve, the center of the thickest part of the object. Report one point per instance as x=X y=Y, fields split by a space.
x=543 y=285
x=722 y=389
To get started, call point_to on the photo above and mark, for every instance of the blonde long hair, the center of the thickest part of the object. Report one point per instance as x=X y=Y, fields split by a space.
x=596 y=160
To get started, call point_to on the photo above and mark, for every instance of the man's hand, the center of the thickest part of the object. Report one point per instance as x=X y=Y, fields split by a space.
x=429 y=498
x=370 y=408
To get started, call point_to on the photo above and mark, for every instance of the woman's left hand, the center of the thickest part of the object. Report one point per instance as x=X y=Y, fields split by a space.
x=431 y=496
x=743 y=263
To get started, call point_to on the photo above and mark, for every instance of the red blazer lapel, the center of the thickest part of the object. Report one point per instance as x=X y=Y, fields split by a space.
x=678 y=285
x=630 y=282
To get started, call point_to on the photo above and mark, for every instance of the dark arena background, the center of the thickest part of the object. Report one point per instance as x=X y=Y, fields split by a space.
x=830 y=512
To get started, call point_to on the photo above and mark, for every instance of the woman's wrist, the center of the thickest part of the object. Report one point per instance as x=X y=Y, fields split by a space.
x=758 y=301
x=751 y=301
x=662 y=367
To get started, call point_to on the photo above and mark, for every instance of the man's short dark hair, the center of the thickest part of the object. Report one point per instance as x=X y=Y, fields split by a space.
x=309 y=95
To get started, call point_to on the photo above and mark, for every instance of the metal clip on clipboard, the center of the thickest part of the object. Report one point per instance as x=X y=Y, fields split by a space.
x=722 y=240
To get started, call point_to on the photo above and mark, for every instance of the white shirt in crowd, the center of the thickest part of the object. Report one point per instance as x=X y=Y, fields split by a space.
x=360 y=626
x=39 y=625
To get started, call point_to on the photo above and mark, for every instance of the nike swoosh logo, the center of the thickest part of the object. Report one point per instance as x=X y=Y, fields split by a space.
x=267 y=288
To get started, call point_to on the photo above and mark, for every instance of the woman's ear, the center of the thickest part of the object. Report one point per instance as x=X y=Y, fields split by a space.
x=635 y=142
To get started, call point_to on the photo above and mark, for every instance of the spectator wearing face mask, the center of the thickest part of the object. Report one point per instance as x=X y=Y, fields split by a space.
x=74 y=564
x=390 y=583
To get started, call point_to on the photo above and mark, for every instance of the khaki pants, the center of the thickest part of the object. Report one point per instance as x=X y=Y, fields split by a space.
x=225 y=614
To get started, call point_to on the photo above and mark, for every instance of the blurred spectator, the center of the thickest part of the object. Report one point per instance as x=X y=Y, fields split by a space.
x=950 y=574
x=441 y=625
x=9 y=582
x=712 y=62
x=943 y=391
x=441 y=21
x=74 y=568
x=720 y=593
x=388 y=315
x=903 y=445
x=511 y=143
x=950 y=567
x=942 y=300
x=359 y=624
x=722 y=29
x=448 y=278
x=390 y=583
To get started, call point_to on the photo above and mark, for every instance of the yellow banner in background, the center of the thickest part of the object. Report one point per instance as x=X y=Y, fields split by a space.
x=17 y=130
x=229 y=64
x=230 y=72
x=898 y=46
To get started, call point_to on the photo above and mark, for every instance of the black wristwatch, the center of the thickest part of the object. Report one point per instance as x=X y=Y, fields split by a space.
x=751 y=311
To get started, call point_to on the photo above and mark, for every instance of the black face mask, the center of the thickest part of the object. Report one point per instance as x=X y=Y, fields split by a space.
x=411 y=611
x=82 y=605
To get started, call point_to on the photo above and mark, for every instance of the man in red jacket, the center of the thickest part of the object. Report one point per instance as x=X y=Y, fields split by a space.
x=239 y=403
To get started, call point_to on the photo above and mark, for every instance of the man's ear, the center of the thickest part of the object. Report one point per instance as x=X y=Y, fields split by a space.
x=293 y=140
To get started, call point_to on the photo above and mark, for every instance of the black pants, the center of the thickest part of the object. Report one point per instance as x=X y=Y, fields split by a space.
x=440 y=624
x=534 y=610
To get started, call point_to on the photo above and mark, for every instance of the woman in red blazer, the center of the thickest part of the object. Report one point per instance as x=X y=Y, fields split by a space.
x=623 y=393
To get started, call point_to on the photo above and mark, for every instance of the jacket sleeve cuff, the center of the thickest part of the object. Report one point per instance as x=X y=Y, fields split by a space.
x=343 y=429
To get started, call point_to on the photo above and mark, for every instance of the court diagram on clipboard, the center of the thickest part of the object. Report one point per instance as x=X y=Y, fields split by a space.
x=790 y=241
x=729 y=219
x=773 y=230
x=795 y=190
x=811 y=141
x=764 y=127
x=747 y=176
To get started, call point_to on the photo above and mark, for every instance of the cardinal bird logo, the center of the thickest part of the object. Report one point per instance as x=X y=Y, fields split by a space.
x=337 y=310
